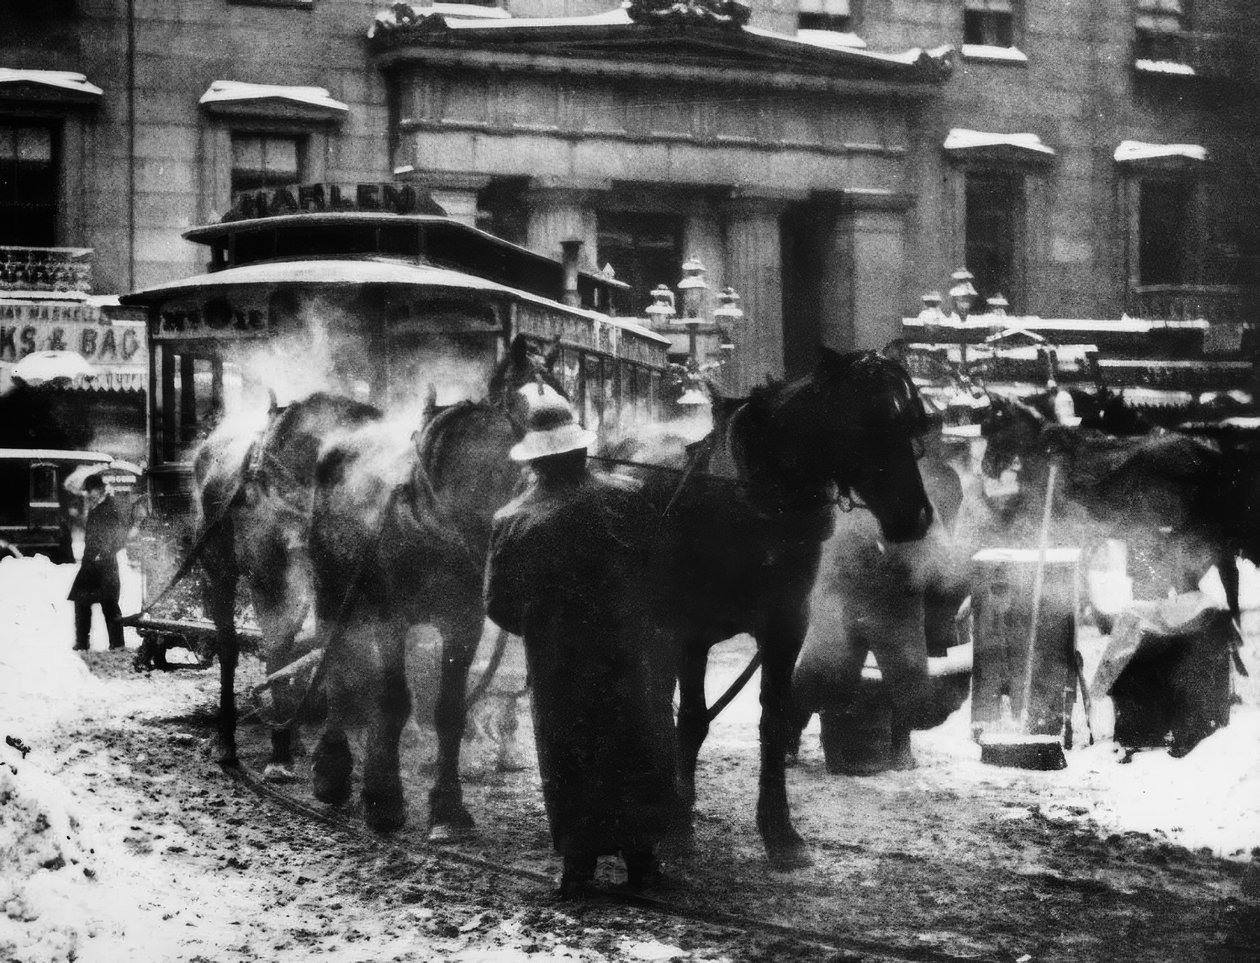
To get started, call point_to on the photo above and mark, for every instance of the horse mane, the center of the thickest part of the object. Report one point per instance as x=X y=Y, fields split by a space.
x=320 y=405
x=877 y=389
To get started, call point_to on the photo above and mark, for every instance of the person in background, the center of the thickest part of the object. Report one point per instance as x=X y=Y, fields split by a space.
x=565 y=571
x=104 y=536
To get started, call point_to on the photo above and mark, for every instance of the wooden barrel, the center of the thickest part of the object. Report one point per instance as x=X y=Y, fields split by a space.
x=1005 y=695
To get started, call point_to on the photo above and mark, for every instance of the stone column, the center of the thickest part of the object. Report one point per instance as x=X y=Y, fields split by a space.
x=560 y=211
x=754 y=266
x=455 y=193
x=864 y=281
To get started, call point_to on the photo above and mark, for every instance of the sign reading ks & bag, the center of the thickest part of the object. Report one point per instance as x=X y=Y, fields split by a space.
x=29 y=326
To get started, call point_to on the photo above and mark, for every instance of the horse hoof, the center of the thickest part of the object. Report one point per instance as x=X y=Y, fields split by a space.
x=278 y=772
x=449 y=833
x=788 y=858
x=384 y=817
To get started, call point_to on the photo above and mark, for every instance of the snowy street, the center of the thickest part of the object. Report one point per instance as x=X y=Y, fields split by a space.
x=120 y=838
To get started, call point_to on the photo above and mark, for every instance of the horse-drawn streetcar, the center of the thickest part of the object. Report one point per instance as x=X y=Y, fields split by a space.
x=391 y=306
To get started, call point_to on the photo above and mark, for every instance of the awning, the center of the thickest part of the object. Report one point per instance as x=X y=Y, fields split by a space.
x=235 y=98
x=1139 y=153
x=1009 y=148
x=47 y=85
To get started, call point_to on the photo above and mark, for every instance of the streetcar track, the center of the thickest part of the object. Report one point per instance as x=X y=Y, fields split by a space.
x=844 y=946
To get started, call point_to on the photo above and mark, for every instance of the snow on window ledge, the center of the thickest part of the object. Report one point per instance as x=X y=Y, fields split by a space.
x=1010 y=55
x=1163 y=67
x=830 y=38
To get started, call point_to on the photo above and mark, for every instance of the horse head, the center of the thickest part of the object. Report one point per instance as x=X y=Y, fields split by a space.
x=1011 y=430
x=854 y=423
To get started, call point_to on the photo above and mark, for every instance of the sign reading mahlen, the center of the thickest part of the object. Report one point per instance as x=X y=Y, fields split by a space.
x=331 y=198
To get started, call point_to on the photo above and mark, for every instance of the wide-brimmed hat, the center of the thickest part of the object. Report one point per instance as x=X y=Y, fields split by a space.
x=552 y=429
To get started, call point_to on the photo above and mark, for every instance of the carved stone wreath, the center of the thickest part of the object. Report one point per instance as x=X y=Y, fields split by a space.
x=709 y=13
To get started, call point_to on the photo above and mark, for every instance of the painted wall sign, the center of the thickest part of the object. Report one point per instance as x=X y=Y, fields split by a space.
x=29 y=326
x=387 y=197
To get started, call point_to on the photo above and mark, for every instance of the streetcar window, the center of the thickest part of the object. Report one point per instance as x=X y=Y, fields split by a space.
x=13 y=492
x=571 y=374
x=612 y=395
x=457 y=366
x=44 y=485
x=592 y=397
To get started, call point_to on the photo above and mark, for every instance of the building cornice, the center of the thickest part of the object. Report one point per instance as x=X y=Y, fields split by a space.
x=691 y=53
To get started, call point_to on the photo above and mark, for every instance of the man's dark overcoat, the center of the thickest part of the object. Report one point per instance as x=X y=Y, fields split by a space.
x=565 y=571
x=104 y=536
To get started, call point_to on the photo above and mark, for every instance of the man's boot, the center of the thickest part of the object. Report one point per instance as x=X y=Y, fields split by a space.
x=575 y=879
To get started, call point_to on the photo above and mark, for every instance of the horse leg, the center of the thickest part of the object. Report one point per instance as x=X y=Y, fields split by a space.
x=693 y=727
x=384 y=807
x=448 y=819
x=351 y=671
x=220 y=600
x=280 y=612
x=780 y=643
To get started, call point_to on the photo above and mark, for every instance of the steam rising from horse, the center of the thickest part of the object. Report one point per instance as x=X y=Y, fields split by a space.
x=253 y=495
x=398 y=544
x=740 y=537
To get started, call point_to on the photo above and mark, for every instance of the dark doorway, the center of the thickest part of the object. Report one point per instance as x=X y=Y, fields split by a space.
x=644 y=249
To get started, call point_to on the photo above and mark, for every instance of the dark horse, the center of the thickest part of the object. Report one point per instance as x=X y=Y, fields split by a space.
x=740 y=530
x=399 y=538
x=253 y=495
x=1182 y=500
x=1159 y=492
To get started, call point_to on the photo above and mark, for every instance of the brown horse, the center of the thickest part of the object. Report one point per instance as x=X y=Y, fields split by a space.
x=739 y=528
x=399 y=539
x=253 y=494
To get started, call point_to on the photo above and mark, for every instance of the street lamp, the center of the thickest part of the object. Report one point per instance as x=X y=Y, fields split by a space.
x=662 y=307
x=962 y=294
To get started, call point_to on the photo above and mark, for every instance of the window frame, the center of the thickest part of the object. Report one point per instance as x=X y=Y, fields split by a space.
x=849 y=22
x=55 y=166
x=263 y=118
x=300 y=151
x=293 y=4
x=1189 y=176
x=984 y=49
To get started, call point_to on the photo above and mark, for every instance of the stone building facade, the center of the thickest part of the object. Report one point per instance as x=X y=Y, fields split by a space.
x=831 y=159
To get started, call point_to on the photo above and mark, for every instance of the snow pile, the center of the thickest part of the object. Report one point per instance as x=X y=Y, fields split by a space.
x=48 y=865
x=41 y=677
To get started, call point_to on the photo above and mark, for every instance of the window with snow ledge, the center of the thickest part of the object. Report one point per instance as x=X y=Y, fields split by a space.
x=271 y=3
x=1001 y=55
x=832 y=16
x=991 y=25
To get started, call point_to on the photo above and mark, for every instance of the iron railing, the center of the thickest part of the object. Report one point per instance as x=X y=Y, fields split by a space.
x=1219 y=303
x=56 y=269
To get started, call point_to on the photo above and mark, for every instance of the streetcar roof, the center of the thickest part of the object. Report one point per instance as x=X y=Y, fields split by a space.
x=359 y=272
x=55 y=454
x=487 y=248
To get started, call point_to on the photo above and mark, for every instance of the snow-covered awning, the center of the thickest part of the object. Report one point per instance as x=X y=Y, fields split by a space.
x=47 y=85
x=1136 y=152
x=1009 y=148
x=235 y=98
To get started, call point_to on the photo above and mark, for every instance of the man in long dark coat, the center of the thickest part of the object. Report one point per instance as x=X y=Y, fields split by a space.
x=564 y=572
x=104 y=536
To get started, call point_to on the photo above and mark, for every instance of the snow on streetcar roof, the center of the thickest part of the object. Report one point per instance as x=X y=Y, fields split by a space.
x=361 y=271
